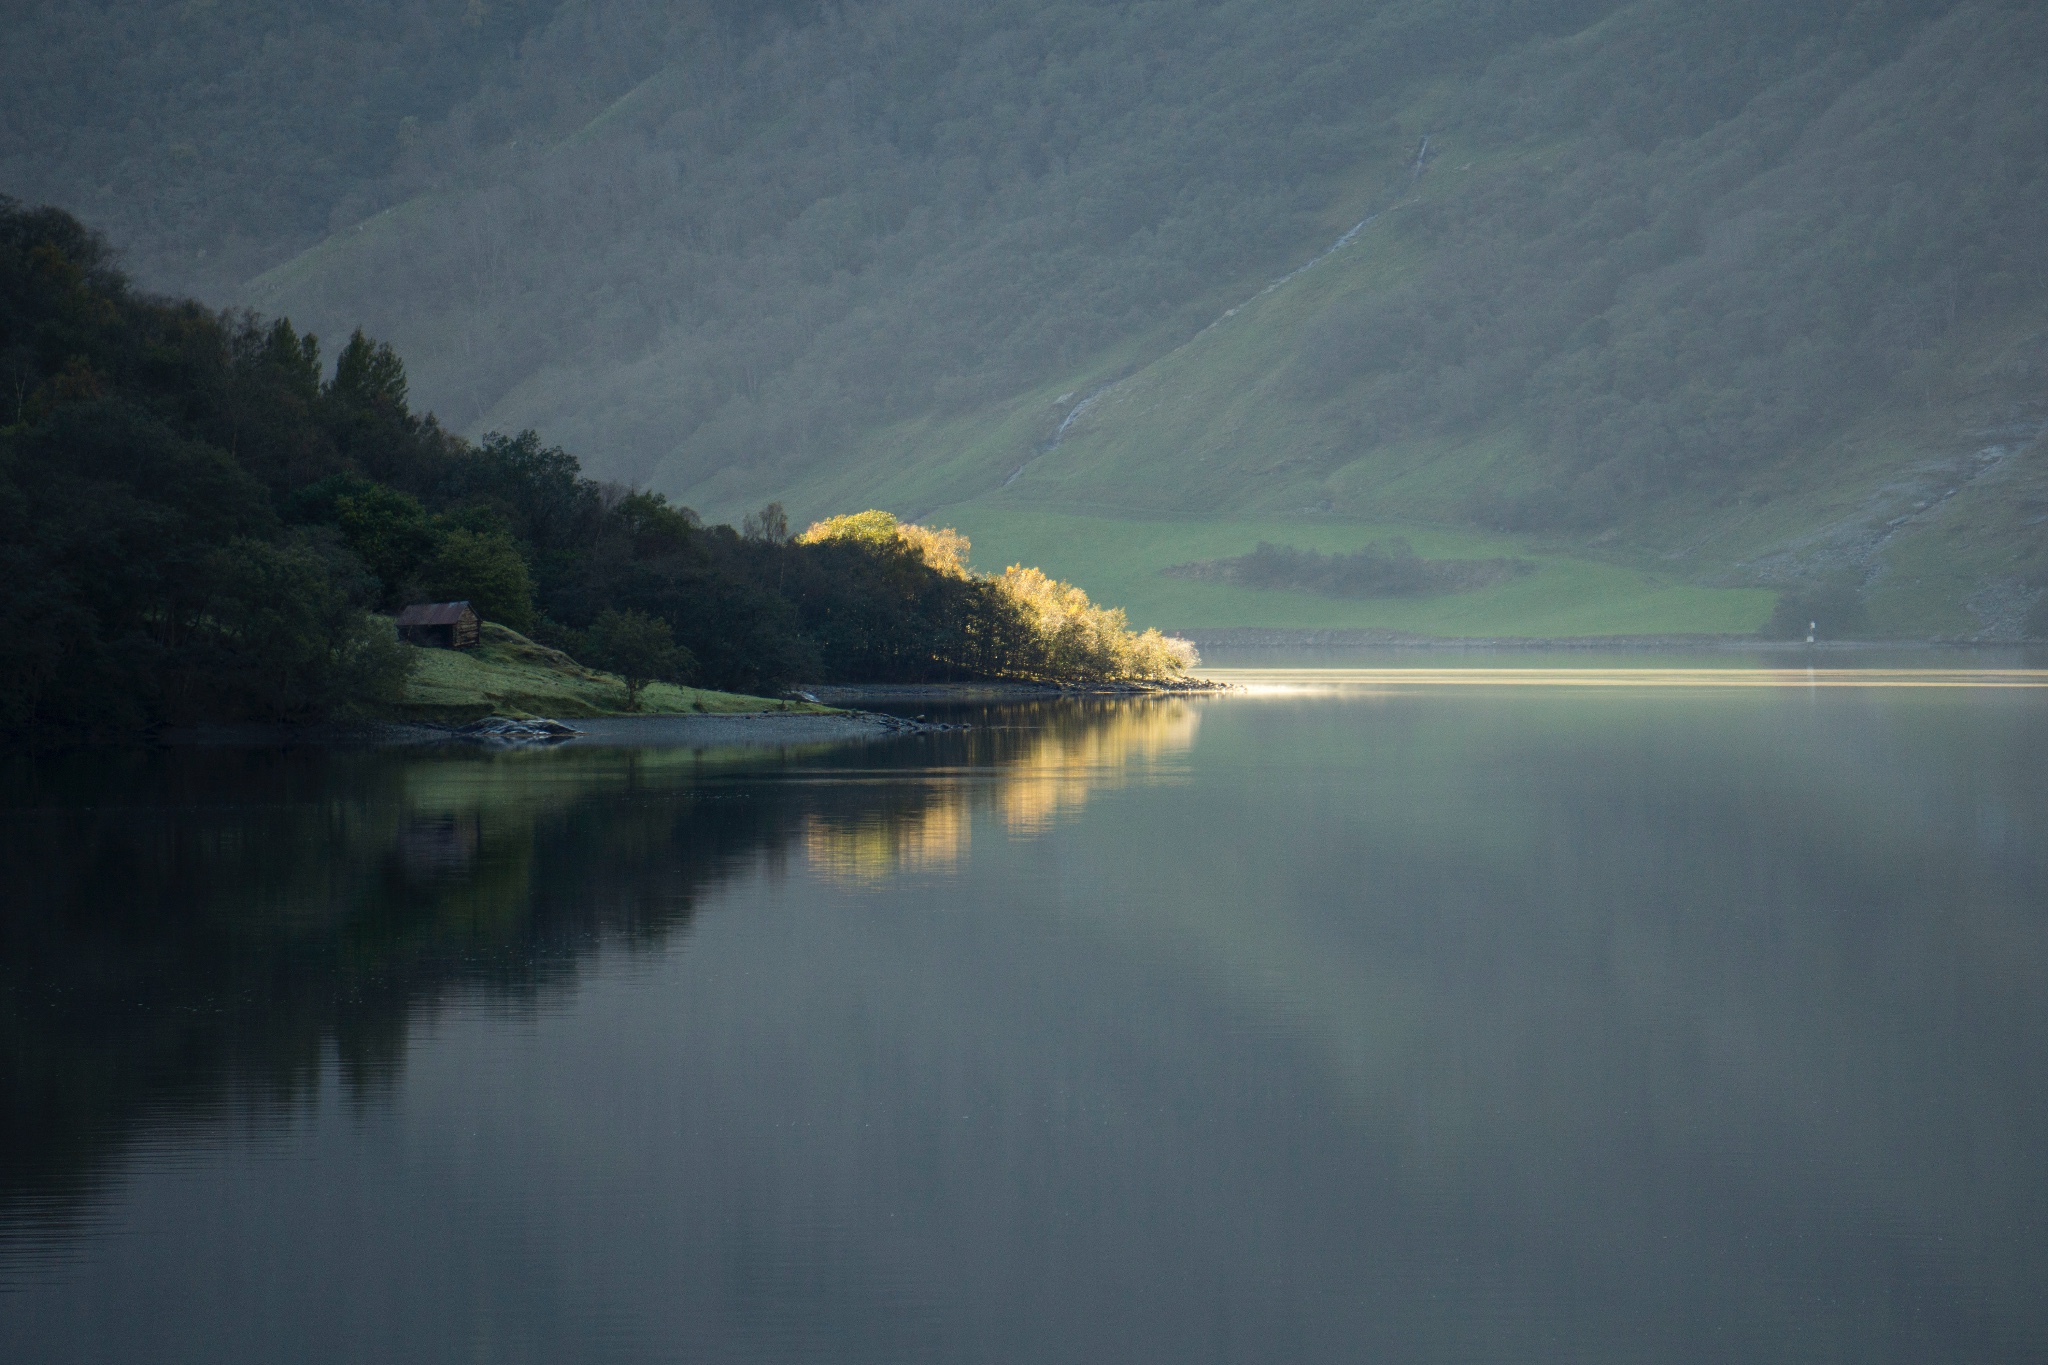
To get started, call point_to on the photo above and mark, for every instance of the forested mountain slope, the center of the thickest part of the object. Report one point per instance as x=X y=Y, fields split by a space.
x=216 y=138
x=1807 y=348
x=1751 y=292
x=760 y=253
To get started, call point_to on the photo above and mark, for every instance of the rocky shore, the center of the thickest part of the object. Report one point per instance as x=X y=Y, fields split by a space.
x=763 y=729
x=897 y=694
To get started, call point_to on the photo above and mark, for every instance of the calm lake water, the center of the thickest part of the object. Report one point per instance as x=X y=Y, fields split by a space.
x=1357 y=1016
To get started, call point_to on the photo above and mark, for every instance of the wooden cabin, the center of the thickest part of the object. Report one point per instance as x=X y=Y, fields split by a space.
x=440 y=625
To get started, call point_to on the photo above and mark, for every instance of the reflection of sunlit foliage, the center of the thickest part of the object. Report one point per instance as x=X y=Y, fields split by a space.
x=1068 y=753
x=1060 y=773
x=197 y=933
x=872 y=846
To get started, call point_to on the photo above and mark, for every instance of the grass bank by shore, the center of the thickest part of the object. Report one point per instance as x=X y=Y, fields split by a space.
x=510 y=675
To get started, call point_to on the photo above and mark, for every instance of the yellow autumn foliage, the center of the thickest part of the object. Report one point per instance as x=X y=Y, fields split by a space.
x=1077 y=641
x=942 y=550
x=1060 y=636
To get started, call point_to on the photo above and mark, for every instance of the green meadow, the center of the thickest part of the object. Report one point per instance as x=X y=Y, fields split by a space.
x=1118 y=560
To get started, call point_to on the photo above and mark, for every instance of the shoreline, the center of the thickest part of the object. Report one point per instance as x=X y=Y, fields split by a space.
x=1266 y=637
x=850 y=722
x=743 y=729
x=857 y=694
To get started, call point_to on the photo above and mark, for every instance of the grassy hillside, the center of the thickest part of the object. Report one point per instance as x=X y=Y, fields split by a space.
x=758 y=254
x=1738 y=297
x=1927 y=492
x=509 y=675
x=1933 y=501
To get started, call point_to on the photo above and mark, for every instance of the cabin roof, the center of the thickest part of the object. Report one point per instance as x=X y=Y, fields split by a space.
x=434 y=614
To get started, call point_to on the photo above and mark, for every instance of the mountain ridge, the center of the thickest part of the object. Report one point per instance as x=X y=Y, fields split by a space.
x=1707 y=291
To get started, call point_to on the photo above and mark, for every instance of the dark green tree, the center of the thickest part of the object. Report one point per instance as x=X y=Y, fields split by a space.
x=388 y=530
x=368 y=374
x=279 y=638
x=639 y=648
x=483 y=568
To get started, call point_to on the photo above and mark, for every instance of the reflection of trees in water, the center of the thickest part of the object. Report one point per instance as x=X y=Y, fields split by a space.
x=865 y=846
x=1029 y=766
x=191 y=935
x=1058 y=774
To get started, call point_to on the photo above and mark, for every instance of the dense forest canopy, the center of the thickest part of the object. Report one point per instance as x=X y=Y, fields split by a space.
x=215 y=138
x=198 y=519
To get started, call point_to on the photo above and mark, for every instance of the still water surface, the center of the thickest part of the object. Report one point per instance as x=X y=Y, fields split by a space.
x=1351 y=1017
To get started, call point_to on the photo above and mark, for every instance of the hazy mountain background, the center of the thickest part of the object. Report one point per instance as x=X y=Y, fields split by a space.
x=1681 y=299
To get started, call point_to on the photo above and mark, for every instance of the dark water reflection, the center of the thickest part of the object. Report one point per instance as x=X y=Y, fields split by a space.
x=1442 y=1024
x=199 y=931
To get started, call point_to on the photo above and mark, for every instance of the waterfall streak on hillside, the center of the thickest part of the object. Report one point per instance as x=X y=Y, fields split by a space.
x=1074 y=413
x=1078 y=409
x=1300 y=270
x=1332 y=250
x=1059 y=432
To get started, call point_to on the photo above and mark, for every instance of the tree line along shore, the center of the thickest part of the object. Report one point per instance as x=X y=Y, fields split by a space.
x=199 y=520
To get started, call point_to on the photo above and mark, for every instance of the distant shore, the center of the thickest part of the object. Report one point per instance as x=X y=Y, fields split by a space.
x=1260 y=637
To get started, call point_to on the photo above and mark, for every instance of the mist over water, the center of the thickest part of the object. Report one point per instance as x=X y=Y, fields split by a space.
x=1361 y=1019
